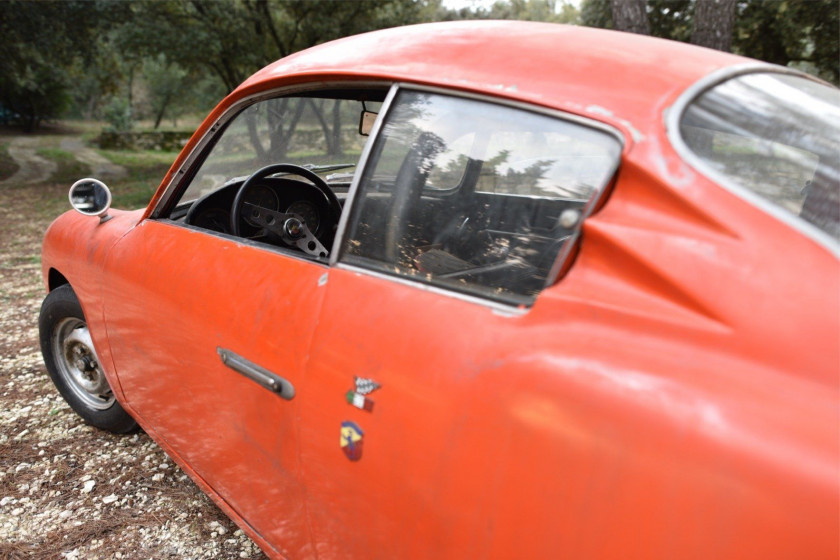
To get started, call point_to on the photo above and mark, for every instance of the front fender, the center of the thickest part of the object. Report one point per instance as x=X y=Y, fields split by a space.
x=75 y=247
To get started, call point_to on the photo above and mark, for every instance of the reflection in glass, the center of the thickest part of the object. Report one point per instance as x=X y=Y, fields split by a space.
x=778 y=136
x=90 y=197
x=468 y=194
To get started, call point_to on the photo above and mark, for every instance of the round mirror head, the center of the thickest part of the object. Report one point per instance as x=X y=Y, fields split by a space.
x=90 y=197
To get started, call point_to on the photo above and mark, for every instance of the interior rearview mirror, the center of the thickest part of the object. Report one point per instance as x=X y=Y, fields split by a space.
x=91 y=197
x=366 y=122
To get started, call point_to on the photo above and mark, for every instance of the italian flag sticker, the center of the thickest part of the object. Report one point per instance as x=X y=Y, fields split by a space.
x=359 y=401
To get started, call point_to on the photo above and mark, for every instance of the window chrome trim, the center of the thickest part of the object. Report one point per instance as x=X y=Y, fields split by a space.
x=673 y=115
x=504 y=309
x=357 y=175
x=246 y=242
x=565 y=251
x=197 y=153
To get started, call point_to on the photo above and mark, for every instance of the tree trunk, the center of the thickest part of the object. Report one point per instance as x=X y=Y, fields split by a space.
x=283 y=147
x=713 y=24
x=251 y=121
x=630 y=15
x=163 y=104
x=318 y=109
x=337 y=149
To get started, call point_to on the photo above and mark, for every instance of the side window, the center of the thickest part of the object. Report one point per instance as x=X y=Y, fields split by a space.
x=317 y=132
x=278 y=171
x=774 y=135
x=474 y=196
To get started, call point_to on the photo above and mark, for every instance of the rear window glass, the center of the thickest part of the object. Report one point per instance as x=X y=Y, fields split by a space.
x=777 y=135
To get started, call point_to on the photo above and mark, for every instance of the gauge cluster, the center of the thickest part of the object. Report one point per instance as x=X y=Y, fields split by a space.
x=289 y=196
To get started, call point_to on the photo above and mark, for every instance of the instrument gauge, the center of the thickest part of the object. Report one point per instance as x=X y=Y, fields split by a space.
x=262 y=196
x=307 y=212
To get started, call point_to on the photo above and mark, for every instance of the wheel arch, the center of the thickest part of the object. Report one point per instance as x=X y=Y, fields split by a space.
x=55 y=279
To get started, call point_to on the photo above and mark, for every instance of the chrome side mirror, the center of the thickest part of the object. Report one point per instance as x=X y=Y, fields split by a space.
x=91 y=197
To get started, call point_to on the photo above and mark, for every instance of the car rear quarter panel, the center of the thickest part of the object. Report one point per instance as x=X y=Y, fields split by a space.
x=705 y=368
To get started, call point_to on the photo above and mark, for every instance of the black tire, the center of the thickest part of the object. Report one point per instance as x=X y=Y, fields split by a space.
x=73 y=365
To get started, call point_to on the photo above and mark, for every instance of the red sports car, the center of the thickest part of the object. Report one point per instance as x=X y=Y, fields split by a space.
x=482 y=290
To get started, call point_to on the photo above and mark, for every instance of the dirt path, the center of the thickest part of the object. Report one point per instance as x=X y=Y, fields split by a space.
x=101 y=167
x=33 y=168
x=69 y=491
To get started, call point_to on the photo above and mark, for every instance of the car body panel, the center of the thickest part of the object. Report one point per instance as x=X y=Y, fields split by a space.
x=675 y=394
x=241 y=438
x=484 y=419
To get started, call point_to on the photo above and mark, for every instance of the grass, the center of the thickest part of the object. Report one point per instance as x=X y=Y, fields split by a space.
x=145 y=169
x=69 y=169
x=7 y=164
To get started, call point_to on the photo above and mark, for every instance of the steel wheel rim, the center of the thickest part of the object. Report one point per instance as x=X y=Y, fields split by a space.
x=78 y=364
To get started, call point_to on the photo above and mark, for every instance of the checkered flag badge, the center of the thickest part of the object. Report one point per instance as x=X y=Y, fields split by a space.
x=366 y=386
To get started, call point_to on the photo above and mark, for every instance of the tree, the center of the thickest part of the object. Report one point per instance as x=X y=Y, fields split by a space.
x=554 y=11
x=42 y=46
x=801 y=33
x=235 y=38
x=630 y=15
x=713 y=24
x=165 y=81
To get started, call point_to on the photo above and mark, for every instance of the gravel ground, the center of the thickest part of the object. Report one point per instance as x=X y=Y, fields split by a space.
x=68 y=490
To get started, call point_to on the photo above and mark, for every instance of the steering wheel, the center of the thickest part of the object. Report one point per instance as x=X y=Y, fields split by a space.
x=289 y=227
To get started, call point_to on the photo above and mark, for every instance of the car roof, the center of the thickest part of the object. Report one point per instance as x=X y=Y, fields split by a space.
x=620 y=78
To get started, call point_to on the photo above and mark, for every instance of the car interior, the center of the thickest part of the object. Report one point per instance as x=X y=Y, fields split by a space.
x=281 y=172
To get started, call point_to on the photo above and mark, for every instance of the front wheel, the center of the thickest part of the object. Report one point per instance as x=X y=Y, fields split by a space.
x=72 y=363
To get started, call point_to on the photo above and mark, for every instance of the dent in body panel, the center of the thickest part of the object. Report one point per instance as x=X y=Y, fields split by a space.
x=604 y=112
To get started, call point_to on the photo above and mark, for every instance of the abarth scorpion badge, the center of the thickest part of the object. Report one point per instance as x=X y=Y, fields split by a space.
x=352 y=438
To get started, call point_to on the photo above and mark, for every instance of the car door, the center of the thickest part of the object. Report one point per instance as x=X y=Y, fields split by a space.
x=187 y=314
x=210 y=331
x=418 y=403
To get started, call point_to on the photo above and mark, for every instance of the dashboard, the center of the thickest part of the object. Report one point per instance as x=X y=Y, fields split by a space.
x=306 y=202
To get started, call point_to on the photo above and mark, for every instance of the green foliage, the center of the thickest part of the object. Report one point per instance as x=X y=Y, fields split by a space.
x=671 y=19
x=234 y=38
x=118 y=115
x=167 y=85
x=800 y=33
x=554 y=11
x=596 y=13
x=804 y=33
x=145 y=170
x=42 y=45
x=165 y=58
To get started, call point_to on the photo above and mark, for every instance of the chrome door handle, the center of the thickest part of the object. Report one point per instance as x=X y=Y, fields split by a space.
x=259 y=374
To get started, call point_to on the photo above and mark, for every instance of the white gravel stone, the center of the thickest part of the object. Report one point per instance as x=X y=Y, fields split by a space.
x=58 y=468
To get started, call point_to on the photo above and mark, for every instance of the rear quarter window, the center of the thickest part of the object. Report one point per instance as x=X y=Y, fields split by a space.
x=777 y=136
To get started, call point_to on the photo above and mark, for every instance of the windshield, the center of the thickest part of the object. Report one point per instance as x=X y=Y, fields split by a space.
x=777 y=135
